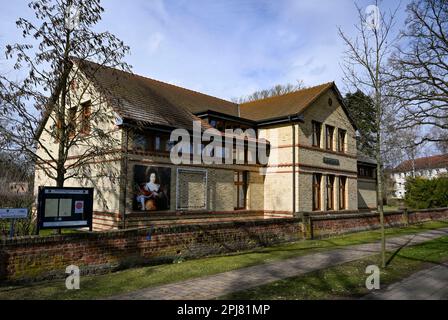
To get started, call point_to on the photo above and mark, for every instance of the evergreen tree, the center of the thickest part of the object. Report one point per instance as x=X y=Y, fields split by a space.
x=362 y=110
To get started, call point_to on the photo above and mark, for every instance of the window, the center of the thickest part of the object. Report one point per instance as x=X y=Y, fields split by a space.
x=240 y=154
x=341 y=140
x=317 y=179
x=330 y=192
x=71 y=122
x=157 y=143
x=141 y=142
x=329 y=137
x=317 y=128
x=240 y=179
x=86 y=113
x=366 y=172
x=220 y=125
x=167 y=144
x=57 y=131
x=152 y=142
x=342 y=192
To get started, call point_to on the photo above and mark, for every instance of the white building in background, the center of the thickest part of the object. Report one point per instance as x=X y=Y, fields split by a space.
x=429 y=167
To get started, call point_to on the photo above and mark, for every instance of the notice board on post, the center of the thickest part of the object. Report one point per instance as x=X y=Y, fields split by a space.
x=60 y=208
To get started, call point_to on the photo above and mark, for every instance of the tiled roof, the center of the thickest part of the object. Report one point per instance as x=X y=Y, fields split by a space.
x=434 y=162
x=143 y=99
x=150 y=101
x=362 y=157
x=284 y=105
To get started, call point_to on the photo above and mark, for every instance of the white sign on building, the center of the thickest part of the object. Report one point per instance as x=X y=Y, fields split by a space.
x=13 y=213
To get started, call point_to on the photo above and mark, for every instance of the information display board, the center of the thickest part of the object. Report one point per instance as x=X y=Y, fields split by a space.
x=60 y=208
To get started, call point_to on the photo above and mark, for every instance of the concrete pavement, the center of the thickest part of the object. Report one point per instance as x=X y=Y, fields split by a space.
x=429 y=284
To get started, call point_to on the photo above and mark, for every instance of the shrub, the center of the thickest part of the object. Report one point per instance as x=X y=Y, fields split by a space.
x=426 y=193
x=22 y=227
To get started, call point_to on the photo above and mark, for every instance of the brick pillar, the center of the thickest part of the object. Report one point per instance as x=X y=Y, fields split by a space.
x=405 y=216
x=307 y=225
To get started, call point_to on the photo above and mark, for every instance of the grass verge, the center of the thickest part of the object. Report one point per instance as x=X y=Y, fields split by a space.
x=94 y=287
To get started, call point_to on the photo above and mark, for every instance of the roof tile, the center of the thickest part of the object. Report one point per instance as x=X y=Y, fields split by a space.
x=284 y=105
x=434 y=162
x=155 y=102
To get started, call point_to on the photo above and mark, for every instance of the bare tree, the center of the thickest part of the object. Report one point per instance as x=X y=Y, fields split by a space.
x=54 y=115
x=442 y=136
x=420 y=66
x=398 y=143
x=365 y=69
x=277 y=90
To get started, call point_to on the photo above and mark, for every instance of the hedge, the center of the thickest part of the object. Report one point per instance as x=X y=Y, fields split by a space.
x=424 y=193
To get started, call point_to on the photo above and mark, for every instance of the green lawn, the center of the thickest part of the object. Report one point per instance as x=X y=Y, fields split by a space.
x=391 y=208
x=47 y=233
x=347 y=281
x=134 y=279
x=27 y=230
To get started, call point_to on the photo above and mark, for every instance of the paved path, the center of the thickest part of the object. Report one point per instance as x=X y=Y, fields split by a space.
x=429 y=284
x=214 y=286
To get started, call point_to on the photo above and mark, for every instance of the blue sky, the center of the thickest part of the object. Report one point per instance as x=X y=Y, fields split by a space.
x=226 y=48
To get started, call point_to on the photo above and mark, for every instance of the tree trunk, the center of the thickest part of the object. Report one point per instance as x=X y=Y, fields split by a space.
x=381 y=209
x=60 y=178
x=379 y=175
x=63 y=133
x=61 y=116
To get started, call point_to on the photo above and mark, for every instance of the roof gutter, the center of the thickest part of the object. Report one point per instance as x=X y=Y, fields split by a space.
x=281 y=120
x=129 y=124
x=225 y=117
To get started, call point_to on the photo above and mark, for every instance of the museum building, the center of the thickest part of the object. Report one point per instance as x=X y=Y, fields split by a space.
x=313 y=164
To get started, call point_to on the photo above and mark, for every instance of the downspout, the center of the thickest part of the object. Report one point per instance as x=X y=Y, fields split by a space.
x=125 y=193
x=293 y=166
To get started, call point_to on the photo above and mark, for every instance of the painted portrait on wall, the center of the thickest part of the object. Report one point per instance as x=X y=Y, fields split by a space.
x=152 y=188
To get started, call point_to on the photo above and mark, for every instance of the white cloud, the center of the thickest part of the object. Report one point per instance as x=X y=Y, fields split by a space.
x=154 y=42
x=226 y=48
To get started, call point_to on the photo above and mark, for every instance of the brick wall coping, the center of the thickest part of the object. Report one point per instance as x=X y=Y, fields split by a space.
x=417 y=210
x=352 y=216
x=158 y=230
x=428 y=210
x=175 y=215
x=357 y=214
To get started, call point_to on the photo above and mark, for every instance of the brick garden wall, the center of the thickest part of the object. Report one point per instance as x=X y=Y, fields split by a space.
x=322 y=226
x=427 y=215
x=329 y=225
x=38 y=258
x=34 y=258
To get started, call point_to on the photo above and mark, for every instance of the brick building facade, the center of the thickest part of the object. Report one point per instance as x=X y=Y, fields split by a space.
x=313 y=165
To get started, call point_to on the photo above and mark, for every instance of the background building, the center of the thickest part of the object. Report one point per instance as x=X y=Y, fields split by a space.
x=428 y=167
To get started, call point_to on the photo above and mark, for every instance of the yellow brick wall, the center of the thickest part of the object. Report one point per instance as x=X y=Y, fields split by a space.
x=278 y=182
x=367 y=194
x=102 y=172
x=220 y=184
